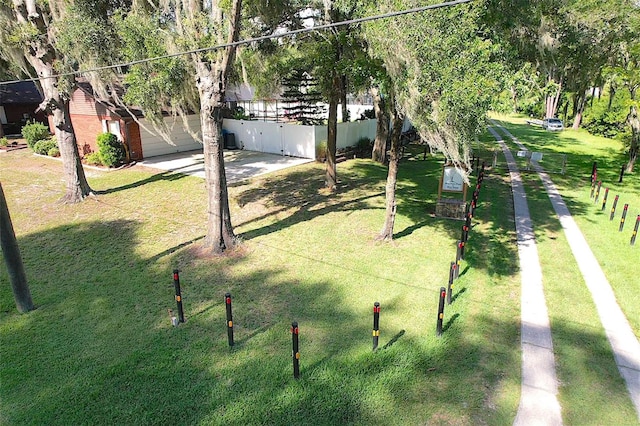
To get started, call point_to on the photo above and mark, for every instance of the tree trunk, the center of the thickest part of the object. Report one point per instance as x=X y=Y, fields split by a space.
x=220 y=234
x=581 y=104
x=551 y=101
x=379 y=152
x=77 y=186
x=392 y=176
x=565 y=111
x=612 y=93
x=332 y=133
x=552 y=104
x=13 y=260
x=41 y=54
x=634 y=122
x=211 y=82
x=514 y=98
x=343 y=99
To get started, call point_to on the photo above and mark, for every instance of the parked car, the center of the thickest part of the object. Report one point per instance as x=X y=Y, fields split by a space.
x=552 y=124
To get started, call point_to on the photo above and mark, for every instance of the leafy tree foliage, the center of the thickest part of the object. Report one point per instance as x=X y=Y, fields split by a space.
x=181 y=84
x=444 y=76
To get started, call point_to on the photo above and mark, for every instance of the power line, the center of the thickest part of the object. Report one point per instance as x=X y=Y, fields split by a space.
x=256 y=39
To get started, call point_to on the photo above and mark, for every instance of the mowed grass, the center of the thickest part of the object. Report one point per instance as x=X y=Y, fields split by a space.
x=589 y=378
x=99 y=348
x=619 y=260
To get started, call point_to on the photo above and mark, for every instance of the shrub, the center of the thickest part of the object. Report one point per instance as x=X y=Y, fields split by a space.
x=93 y=158
x=43 y=146
x=321 y=150
x=364 y=147
x=239 y=114
x=110 y=150
x=34 y=132
x=368 y=114
x=600 y=119
x=54 y=152
x=4 y=141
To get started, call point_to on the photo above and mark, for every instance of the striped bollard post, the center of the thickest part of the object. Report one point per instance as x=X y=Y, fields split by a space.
x=598 y=191
x=296 y=349
x=443 y=293
x=227 y=300
x=613 y=209
x=467 y=227
x=624 y=216
x=376 y=324
x=458 y=256
x=604 y=200
x=176 y=284
x=452 y=271
x=635 y=231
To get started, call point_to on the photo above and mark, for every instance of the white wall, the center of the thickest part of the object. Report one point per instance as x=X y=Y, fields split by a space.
x=262 y=136
x=294 y=139
x=299 y=141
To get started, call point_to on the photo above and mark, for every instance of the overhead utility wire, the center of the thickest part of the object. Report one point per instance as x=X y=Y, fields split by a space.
x=255 y=39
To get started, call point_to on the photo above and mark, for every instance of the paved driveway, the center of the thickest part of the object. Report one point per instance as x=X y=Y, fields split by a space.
x=239 y=164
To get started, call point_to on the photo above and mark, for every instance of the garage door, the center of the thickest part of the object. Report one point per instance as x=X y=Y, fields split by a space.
x=154 y=145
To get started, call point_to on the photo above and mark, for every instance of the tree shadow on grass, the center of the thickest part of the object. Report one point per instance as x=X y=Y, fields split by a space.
x=169 y=176
x=301 y=196
x=102 y=315
x=100 y=348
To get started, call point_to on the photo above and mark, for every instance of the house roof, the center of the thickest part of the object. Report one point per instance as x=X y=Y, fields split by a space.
x=24 y=92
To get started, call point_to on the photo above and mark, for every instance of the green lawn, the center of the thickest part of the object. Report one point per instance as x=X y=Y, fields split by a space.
x=100 y=348
x=619 y=260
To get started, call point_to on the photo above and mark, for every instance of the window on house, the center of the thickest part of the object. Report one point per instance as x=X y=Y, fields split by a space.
x=112 y=126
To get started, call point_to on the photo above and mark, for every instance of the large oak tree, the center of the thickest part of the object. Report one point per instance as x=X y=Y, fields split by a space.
x=28 y=36
x=443 y=78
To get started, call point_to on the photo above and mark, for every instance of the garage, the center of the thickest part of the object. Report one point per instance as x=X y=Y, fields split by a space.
x=154 y=145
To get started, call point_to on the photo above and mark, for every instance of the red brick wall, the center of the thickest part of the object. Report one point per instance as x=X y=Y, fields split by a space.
x=87 y=128
x=87 y=116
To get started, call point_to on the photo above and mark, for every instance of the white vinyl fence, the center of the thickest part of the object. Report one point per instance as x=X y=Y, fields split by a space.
x=293 y=140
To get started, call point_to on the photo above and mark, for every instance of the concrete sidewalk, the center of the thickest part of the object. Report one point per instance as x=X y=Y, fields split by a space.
x=538 y=399
x=239 y=164
x=624 y=344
